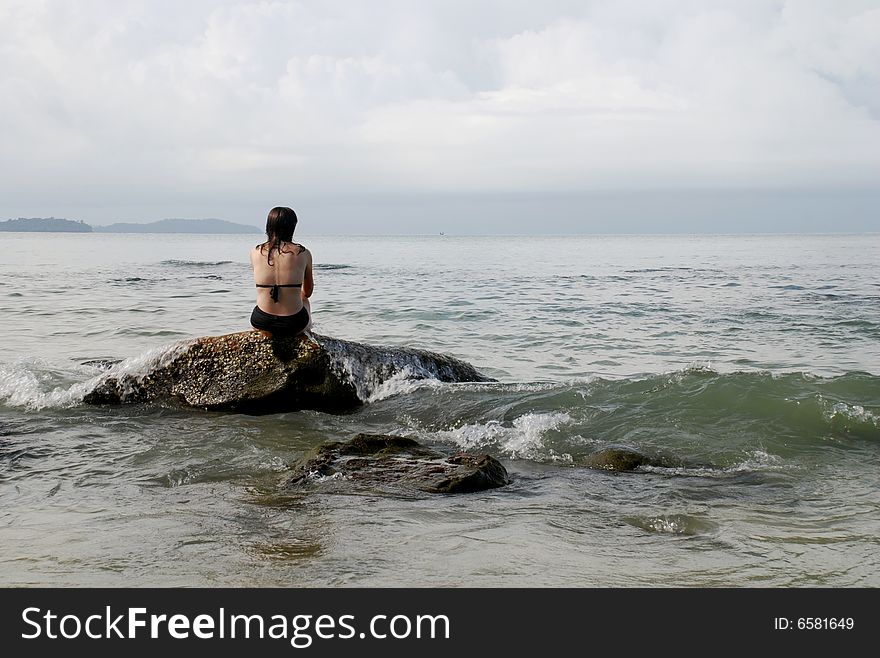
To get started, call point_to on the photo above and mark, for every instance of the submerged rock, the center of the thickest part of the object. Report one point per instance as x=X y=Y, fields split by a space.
x=381 y=461
x=250 y=372
x=624 y=459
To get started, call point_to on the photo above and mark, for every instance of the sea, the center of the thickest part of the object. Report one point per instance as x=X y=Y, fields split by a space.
x=754 y=359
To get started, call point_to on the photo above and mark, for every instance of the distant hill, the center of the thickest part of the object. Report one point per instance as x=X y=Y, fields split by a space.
x=180 y=226
x=45 y=225
x=57 y=225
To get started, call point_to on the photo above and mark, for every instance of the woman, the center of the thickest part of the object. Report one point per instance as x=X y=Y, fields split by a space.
x=283 y=276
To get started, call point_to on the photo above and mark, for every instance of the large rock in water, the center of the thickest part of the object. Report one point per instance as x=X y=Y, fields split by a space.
x=378 y=461
x=250 y=372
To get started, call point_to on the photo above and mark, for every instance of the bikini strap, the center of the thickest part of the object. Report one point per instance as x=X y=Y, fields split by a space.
x=273 y=293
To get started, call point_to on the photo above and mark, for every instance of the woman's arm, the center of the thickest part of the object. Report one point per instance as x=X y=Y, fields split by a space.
x=308 y=281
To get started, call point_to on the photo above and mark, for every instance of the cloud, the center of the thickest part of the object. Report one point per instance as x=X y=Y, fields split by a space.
x=237 y=101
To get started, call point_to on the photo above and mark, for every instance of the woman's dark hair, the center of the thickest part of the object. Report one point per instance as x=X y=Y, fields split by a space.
x=280 y=225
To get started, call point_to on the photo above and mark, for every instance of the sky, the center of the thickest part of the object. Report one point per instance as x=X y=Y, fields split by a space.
x=474 y=116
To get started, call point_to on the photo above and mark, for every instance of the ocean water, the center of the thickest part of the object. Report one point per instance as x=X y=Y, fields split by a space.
x=755 y=358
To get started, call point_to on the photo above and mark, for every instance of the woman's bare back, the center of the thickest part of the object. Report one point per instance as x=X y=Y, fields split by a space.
x=290 y=266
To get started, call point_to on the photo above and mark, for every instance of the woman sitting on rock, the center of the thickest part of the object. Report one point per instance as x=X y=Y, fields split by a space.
x=283 y=276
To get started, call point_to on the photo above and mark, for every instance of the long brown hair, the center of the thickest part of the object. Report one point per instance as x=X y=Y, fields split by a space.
x=280 y=225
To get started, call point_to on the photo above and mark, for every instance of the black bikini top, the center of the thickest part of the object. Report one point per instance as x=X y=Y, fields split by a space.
x=275 y=286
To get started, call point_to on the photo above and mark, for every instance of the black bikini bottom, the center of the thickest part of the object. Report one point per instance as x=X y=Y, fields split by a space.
x=280 y=325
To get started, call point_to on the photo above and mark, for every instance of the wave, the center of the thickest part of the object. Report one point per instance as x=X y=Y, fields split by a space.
x=848 y=416
x=522 y=439
x=32 y=384
x=720 y=423
x=195 y=263
x=331 y=266
x=668 y=270
x=564 y=438
x=129 y=280
x=378 y=372
x=149 y=333
x=732 y=422
x=35 y=385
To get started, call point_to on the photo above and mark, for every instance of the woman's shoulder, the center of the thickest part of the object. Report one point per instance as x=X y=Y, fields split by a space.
x=295 y=247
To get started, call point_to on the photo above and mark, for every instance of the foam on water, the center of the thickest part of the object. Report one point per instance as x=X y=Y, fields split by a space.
x=30 y=384
x=134 y=369
x=760 y=460
x=522 y=439
x=848 y=414
x=33 y=384
x=404 y=382
x=378 y=373
x=195 y=263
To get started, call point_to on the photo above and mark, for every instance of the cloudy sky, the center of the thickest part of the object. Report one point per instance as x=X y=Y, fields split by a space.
x=470 y=116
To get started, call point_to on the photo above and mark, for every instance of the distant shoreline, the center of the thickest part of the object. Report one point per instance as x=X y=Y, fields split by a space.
x=223 y=227
x=166 y=226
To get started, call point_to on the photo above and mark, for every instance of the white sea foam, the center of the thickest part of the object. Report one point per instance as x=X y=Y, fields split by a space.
x=33 y=384
x=378 y=373
x=132 y=370
x=30 y=384
x=319 y=477
x=523 y=439
x=401 y=383
x=538 y=387
x=667 y=524
x=848 y=413
x=759 y=460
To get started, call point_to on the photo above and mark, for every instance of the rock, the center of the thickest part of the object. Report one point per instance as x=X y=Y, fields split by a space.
x=380 y=461
x=250 y=372
x=624 y=459
x=472 y=473
x=368 y=366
